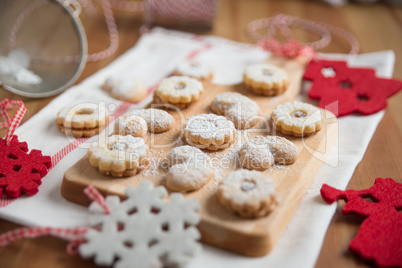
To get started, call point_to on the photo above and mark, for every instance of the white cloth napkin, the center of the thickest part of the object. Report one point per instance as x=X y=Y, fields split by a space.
x=155 y=56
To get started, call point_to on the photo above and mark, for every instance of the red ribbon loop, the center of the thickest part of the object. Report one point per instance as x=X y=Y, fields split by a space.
x=12 y=125
x=292 y=47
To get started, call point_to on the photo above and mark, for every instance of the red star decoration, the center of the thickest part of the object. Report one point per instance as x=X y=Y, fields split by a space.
x=380 y=237
x=355 y=89
x=21 y=172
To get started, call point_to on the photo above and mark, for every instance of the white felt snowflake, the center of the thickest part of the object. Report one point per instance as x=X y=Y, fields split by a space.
x=143 y=231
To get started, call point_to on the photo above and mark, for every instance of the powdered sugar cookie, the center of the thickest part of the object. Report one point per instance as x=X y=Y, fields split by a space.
x=195 y=69
x=118 y=155
x=188 y=177
x=297 y=119
x=190 y=169
x=133 y=125
x=209 y=131
x=158 y=121
x=126 y=89
x=251 y=194
x=187 y=153
x=266 y=79
x=239 y=109
x=82 y=120
x=261 y=152
x=179 y=91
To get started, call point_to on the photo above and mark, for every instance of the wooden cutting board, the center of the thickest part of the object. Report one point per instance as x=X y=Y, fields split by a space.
x=218 y=226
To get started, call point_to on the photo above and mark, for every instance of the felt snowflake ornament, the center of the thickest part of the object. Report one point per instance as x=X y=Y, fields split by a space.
x=379 y=238
x=20 y=171
x=355 y=89
x=143 y=231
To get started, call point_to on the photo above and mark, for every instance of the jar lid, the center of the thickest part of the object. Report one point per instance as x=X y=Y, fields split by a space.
x=43 y=46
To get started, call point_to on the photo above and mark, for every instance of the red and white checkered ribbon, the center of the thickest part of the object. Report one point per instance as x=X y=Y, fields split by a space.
x=95 y=196
x=74 y=235
x=12 y=125
x=292 y=47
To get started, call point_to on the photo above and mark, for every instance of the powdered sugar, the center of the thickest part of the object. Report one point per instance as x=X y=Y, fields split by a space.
x=242 y=111
x=209 y=126
x=156 y=164
x=263 y=185
x=117 y=153
x=190 y=169
x=16 y=64
x=260 y=153
x=251 y=194
x=187 y=153
x=188 y=176
x=131 y=125
x=157 y=120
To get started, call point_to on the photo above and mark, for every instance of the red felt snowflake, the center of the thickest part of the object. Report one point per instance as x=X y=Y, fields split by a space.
x=21 y=172
x=380 y=235
x=355 y=89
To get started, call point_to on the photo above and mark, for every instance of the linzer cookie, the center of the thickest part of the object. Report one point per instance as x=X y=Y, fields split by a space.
x=82 y=120
x=125 y=88
x=239 y=109
x=250 y=194
x=195 y=69
x=297 y=119
x=118 y=155
x=266 y=79
x=178 y=91
x=261 y=152
x=209 y=131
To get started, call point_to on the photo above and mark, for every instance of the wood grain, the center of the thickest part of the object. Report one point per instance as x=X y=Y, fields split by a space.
x=377 y=26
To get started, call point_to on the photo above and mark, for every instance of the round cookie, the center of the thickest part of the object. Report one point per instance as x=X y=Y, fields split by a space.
x=187 y=153
x=82 y=120
x=250 y=194
x=133 y=125
x=195 y=69
x=190 y=169
x=209 y=131
x=188 y=177
x=158 y=121
x=179 y=91
x=239 y=109
x=266 y=79
x=261 y=152
x=118 y=155
x=126 y=89
x=297 y=119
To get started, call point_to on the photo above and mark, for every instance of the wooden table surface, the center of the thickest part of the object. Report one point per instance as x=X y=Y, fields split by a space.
x=377 y=27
